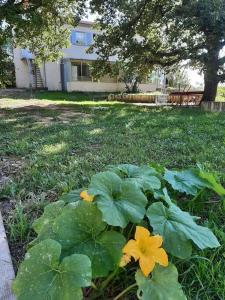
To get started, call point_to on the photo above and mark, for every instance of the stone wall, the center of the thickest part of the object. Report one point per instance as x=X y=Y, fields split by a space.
x=213 y=106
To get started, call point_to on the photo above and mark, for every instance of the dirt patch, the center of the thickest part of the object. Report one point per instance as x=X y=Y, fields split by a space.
x=42 y=120
x=9 y=168
x=64 y=117
x=6 y=206
x=3 y=179
x=18 y=251
x=15 y=93
x=41 y=111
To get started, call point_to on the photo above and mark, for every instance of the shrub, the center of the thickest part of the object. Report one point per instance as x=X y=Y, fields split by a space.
x=126 y=221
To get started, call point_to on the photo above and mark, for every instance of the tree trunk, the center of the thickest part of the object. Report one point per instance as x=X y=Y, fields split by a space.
x=211 y=76
x=210 y=91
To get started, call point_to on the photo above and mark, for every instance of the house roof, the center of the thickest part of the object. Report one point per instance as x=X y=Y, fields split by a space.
x=88 y=23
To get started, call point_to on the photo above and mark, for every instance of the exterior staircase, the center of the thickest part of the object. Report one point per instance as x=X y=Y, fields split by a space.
x=37 y=79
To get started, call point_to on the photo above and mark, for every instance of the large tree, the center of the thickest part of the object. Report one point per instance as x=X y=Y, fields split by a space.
x=42 y=26
x=165 y=32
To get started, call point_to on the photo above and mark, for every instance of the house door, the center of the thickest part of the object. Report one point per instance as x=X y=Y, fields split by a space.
x=74 y=73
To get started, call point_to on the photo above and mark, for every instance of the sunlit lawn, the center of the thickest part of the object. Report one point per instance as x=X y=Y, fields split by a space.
x=60 y=144
x=221 y=94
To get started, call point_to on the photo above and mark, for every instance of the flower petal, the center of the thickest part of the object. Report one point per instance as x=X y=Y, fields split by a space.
x=160 y=257
x=155 y=241
x=86 y=197
x=131 y=248
x=125 y=260
x=141 y=234
x=147 y=264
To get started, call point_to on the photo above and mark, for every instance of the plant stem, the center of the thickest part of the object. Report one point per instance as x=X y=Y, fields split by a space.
x=191 y=202
x=94 y=286
x=130 y=231
x=125 y=291
x=108 y=279
x=104 y=284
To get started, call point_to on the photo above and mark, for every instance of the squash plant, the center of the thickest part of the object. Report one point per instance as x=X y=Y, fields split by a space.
x=125 y=220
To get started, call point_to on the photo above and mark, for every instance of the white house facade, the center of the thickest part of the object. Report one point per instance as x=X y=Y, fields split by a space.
x=72 y=72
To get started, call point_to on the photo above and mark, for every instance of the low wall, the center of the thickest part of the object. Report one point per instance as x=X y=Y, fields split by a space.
x=213 y=106
x=89 y=86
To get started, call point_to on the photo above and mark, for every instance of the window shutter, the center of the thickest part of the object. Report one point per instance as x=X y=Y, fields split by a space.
x=88 y=38
x=73 y=37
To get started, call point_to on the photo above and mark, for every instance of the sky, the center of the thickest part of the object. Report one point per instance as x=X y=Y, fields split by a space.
x=196 y=80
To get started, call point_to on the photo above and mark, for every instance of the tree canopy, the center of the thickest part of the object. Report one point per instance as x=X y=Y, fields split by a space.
x=41 y=26
x=165 y=32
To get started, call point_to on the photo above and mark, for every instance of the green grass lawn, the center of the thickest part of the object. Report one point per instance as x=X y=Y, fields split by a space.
x=49 y=147
x=221 y=94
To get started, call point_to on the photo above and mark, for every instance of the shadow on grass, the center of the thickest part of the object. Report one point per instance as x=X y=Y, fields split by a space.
x=73 y=96
x=27 y=94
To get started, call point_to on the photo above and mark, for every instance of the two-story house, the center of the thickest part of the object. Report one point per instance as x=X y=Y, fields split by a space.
x=72 y=72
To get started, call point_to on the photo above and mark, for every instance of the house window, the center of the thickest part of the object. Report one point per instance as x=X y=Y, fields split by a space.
x=80 y=38
x=81 y=71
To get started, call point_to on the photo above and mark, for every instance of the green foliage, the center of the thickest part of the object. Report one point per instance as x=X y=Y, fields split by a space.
x=211 y=182
x=187 y=181
x=178 y=229
x=220 y=94
x=163 y=285
x=72 y=196
x=191 y=181
x=165 y=32
x=80 y=229
x=43 y=275
x=120 y=201
x=127 y=71
x=145 y=177
x=7 y=72
x=43 y=225
x=85 y=236
x=40 y=25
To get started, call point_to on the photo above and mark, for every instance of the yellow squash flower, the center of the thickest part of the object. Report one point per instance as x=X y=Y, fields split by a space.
x=146 y=249
x=86 y=197
x=125 y=260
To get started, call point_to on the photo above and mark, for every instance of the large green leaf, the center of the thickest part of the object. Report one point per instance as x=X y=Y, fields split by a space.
x=80 y=229
x=120 y=202
x=191 y=181
x=72 y=196
x=163 y=285
x=186 y=181
x=43 y=225
x=212 y=183
x=145 y=177
x=178 y=229
x=41 y=275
